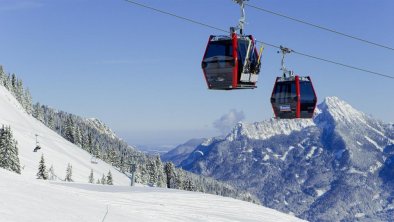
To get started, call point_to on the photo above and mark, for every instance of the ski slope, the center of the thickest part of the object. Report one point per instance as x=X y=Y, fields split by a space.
x=24 y=199
x=57 y=151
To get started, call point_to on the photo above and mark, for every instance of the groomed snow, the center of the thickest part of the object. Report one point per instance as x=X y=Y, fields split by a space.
x=24 y=199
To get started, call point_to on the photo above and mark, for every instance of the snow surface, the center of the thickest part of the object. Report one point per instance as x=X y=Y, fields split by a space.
x=24 y=199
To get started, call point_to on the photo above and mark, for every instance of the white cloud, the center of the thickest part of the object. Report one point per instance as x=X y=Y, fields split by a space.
x=226 y=122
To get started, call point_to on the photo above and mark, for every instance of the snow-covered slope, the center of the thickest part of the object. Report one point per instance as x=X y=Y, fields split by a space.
x=338 y=166
x=23 y=199
x=57 y=151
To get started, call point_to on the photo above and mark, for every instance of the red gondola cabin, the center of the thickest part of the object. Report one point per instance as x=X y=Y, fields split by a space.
x=231 y=62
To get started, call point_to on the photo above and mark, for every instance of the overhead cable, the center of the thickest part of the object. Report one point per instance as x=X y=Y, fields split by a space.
x=262 y=42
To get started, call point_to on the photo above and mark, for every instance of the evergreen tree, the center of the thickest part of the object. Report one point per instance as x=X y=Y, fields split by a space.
x=38 y=112
x=189 y=185
x=28 y=101
x=78 y=139
x=90 y=145
x=169 y=169
x=84 y=141
x=179 y=180
x=98 y=181
x=151 y=167
x=109 y=178
x=52 y=175
x=7 y=82
x=160 y=172
x=51 y=120
x=13 y=83
x=42 y=172
x=9 y=155
x=19 y=92
x=112 y=156
x=69 y=132
x=103 y=180
x=96 y=151
x=69 y=173
x=91 y=177
x=2 y=76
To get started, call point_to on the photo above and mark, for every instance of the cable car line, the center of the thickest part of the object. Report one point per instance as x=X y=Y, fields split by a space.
x=262 y=42
x=343 y=65
x=321 y=27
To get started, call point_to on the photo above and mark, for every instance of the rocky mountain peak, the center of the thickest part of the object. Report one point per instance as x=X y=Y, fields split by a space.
x=268 y=128
x=340 y=110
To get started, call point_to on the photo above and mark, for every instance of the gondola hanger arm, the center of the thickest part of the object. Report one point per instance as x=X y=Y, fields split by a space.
x=242 y=20
x=284 y=51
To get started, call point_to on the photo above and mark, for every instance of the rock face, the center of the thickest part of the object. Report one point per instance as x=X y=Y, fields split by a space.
x=337 y=166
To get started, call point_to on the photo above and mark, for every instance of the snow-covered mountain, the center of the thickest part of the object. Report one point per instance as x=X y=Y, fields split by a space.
x=101 y=127
x=338 y=166
x=181 y=152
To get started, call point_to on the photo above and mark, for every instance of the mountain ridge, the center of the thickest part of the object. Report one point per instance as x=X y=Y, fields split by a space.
x=316 y=169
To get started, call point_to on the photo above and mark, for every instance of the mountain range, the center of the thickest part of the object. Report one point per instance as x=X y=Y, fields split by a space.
x=338 y=166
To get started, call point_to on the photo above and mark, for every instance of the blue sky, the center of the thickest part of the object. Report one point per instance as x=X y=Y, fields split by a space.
x=139 y=71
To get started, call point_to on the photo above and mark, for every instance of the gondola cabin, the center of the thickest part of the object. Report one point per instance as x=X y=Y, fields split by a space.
x=293 y=97
x=231 y=62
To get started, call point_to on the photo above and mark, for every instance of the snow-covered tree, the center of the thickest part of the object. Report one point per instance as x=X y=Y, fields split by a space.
x=2 y=75
x=28 y=101
x=19 y=92
x=51 y=172
x=109 y=178
x=77 y=137
x=103 y=180
x=169 y=170
x=160 y=172
x=38 y=112
x=13 y=83
x=180 y=179
x=69 y=132
x=42 y=172
x=152 y=171
x=91 y=176
x=112 y=156
x=189 y=185
x=9 y=156
x=90 y=145
x=69 y=173
x=98 y=181
x=7 y=82
x=84 y=141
